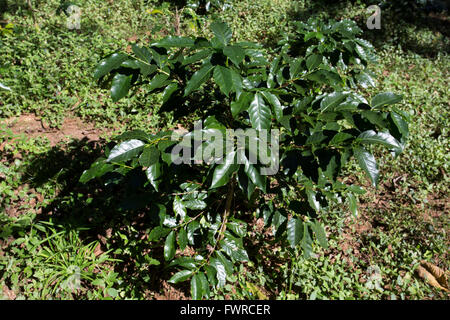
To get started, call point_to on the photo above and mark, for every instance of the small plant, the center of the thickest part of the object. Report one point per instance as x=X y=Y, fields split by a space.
x=304 y=93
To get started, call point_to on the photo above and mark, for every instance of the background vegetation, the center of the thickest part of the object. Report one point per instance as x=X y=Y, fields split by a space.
x=50 y=224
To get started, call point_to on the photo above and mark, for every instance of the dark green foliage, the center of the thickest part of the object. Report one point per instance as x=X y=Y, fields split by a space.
x=305 y=91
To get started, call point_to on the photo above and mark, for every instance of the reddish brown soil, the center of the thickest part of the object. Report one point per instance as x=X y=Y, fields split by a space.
x=71 y=128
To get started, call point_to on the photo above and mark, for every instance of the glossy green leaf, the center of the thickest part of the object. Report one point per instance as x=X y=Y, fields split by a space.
x=107 y=65
x=181 y=276
x=125 y=151
x=120 y=85
x=222 y=32
x=384 y=138
x=259 y=112
x=182 y=239
x=198 y=78
x=149 y=156
x=196 y=57
x=241 y=104
x=313 y=61
x=276 y=104
x=252 y=172
x=235 y=53
x=174 y=42
x=196 y=287
x=223 y=171
x=331 y=101
x=385 y=98
x=352 y=204
x=142 y=53
x=400 y=123
x=368 y=163
x=179 y=208
x=205 y=285
x=195 y=204
x=168 y=91
x=158 y=233
x=160 y=80
x=221 y=274
x=222 y=76
x=169 y=246
x=153 y=173
x=319 y=231
x=294 y=231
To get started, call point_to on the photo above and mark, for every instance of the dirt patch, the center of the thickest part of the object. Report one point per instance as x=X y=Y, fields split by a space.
x=170 y=293
x=71 y=128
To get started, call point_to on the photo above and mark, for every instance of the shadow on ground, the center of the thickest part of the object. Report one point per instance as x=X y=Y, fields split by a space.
x=108 y=213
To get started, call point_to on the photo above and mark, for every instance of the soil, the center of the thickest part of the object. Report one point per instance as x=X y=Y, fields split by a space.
x=71 y=128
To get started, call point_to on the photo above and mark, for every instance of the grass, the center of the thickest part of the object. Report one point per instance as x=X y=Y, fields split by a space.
x=62 y=240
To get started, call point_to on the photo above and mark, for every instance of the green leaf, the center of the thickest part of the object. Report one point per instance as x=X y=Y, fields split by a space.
x=313 y=61
x=168 y=91
x=195 y=204
x=372 y=137
x=142 y=53
x=125 y=151
x=160 y=80
x=386 y=98
x=178 y=207
x=222 y=76
x=222 y=32
x=235 y=53
x=320 y=233
x=273 y=100
x=181 y=276
x=205 y=285
x=158 y=233
x=331 y=101
x=352 y=204
x=182 y=239
x=211 y=274
x=223 y=171
x=239 y=228
x=134 y=134
x=221 y=274
x=260 y=114
x=196 y=57
x=169 y=246
x=294 y=231
x=198 y=78
x=191 y=228
x=365 y=80
x=340 y=137
x=401 y=124
x=295 y=67
x=153 y=173
x=241 y=104
x=230 y=247
x=96 y=170
x=251 y=171
x=196 y=287
x=121 y=84
x=107 y=65
x=226 y=263
x=149 y=156
x=368 y=163
x=174 y=42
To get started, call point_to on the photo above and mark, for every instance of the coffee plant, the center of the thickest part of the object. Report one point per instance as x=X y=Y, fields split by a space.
x=306 y=92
